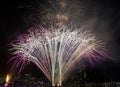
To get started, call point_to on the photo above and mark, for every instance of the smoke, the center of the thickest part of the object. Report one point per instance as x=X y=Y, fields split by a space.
x=97 y=15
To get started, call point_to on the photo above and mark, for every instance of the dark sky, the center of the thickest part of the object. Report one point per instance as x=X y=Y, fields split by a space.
x=12 y=24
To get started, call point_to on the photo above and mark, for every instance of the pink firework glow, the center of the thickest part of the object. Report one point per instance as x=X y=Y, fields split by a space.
x=55 y=51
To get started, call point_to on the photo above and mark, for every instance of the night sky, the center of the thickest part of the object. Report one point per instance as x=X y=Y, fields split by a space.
x=13 y=23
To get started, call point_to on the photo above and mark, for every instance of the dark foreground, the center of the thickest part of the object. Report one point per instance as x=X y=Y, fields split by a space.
x=91 y=84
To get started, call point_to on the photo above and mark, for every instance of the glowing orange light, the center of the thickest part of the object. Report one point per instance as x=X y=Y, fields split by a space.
x=7 y=80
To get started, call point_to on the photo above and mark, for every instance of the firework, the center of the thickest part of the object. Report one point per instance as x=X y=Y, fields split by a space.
x=55 y=13
x=55 y=51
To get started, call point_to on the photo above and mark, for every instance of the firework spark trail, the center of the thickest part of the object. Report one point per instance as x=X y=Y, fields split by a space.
x=55 y=52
